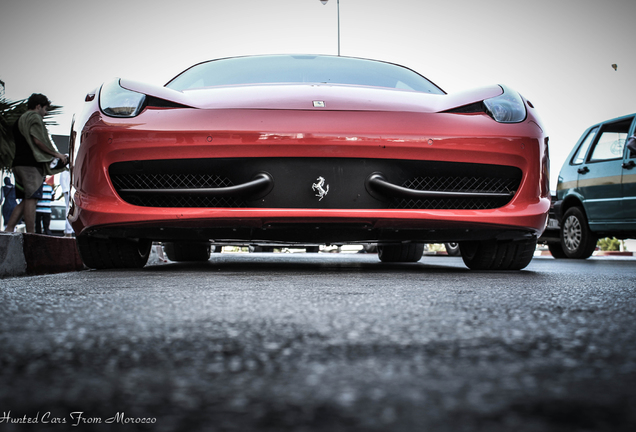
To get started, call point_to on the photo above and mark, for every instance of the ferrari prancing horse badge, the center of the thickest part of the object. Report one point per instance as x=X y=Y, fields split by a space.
x=318 y=187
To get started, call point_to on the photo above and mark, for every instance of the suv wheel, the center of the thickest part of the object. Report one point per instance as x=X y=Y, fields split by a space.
x=556 y=250
x=576 y=238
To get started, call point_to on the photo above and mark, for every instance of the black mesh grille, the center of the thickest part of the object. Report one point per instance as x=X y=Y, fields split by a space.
x=294 y=177
x=459 y=184
x=463 y=184
x=173 y=181
x=168 y=181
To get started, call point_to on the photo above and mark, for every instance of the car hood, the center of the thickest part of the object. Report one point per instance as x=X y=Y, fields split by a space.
x=303 y=96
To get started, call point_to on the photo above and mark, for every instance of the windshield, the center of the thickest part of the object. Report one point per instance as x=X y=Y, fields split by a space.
x=301 y=69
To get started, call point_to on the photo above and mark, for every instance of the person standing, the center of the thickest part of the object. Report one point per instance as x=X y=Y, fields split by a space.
x=631 y=145
x=43 y=209
x=34 y=155
x=65 y=183
x=8 y=194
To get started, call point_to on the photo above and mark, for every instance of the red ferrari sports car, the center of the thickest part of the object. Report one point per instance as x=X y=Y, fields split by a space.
x=307 y=149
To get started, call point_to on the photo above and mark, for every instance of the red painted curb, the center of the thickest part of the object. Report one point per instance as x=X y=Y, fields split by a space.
x=49 y=254
x=615 y=253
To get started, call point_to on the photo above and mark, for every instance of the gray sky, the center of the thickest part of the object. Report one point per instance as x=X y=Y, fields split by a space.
x=557 y=53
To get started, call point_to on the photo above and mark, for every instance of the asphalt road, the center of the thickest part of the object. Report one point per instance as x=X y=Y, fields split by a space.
x=321 y=342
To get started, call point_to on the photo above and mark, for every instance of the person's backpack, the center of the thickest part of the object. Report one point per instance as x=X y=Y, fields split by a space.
x=8 y=151
x=7 y=146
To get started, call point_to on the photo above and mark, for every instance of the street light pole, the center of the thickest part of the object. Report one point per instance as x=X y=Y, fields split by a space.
x=324 y=2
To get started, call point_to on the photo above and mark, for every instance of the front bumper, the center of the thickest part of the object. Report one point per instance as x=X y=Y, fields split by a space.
x=291 y=211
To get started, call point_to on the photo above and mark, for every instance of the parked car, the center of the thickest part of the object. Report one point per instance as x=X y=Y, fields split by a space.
x=307 y=149
x=58 y=218
x=552 y=234
x=596 y=190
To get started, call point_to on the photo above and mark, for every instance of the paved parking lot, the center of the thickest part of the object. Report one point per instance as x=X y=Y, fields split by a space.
x=322 y=342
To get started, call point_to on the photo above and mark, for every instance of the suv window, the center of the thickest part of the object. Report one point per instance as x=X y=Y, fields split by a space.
x=610 y=143
x=580 y=155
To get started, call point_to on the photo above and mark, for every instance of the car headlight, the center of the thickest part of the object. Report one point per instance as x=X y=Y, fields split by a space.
x=116 y=101
x=506 y=108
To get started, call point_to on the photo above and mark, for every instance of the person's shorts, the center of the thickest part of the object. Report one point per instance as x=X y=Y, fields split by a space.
x=28 y=181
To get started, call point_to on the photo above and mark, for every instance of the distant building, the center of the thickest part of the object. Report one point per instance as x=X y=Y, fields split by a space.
x=1 y=89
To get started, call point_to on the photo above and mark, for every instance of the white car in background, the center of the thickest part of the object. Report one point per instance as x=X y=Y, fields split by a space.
x=58 y=218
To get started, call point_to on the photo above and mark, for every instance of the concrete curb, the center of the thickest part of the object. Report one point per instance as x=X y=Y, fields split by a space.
x=34 y=254
x=12 y=261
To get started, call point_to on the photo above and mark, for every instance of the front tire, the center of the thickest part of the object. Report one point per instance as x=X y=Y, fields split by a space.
x=393 y=253
x=99 y=253
x=187 y=252
x=498 y=255
x=577 y=240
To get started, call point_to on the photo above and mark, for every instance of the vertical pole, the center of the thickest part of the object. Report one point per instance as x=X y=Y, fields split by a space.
x=338 y=28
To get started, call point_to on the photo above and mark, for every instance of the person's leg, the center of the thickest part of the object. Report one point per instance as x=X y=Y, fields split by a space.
x=46 y=222
x=38 y=222
x=68 y=230
x=7 y=209
x=31 y=180
x=29 y=213
x=15 y=217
